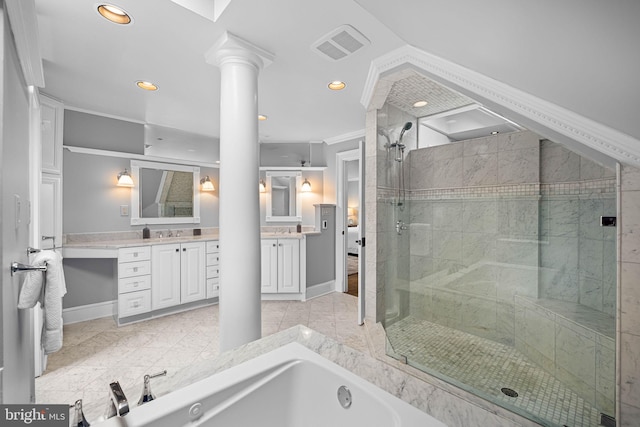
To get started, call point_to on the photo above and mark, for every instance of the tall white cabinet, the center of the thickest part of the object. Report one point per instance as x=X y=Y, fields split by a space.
x=50 y=202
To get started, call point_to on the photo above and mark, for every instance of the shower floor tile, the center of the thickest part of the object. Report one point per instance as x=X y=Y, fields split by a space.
x=484 y=367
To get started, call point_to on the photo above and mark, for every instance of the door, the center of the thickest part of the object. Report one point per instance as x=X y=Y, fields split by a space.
x=165 y=276
x=192 y=272
x=288 y=266
x=17 y=349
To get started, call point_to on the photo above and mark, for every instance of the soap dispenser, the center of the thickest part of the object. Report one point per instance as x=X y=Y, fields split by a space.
x=299 y=228
x=145 y=232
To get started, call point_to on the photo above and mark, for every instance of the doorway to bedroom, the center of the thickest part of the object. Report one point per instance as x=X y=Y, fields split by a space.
x=352 y=196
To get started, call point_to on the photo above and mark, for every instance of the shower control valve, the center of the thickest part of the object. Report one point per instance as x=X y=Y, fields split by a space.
x=400 y=226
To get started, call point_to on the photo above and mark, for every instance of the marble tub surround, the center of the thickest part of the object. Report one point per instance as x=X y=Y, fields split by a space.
x=427 y=397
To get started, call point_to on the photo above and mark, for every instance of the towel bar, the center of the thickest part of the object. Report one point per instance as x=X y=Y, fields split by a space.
x=17 y=267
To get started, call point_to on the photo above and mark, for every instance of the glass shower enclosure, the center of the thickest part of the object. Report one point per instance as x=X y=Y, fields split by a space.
x=499 y=277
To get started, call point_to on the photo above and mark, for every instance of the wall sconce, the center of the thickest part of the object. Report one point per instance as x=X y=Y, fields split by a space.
x=262 y=186
x=207 y=185
x=124 y=179
x=306 y=185
x=351 y=212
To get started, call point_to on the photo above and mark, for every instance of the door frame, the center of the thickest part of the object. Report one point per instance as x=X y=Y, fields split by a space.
x=341 y=223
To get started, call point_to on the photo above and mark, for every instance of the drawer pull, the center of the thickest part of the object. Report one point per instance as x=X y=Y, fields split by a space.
x=135 y=284
x=136 y=304
x=135 y=269
x=135 y=254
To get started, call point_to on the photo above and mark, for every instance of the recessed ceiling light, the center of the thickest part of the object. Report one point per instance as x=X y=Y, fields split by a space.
x=419 y=104
x=146 y=85
x=495 y=132
x=114 y=14
x=262 y=117
x=337 y=85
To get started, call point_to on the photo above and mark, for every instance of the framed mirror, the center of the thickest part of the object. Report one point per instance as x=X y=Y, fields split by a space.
x=283 y=199
x=164 y=193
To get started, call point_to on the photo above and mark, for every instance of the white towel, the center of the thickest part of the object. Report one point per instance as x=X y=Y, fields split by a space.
x=52 y=285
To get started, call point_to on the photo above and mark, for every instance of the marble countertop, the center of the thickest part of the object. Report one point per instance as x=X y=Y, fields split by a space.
x=126 y=243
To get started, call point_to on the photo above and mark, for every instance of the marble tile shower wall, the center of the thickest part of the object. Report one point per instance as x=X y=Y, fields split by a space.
x=474 y=232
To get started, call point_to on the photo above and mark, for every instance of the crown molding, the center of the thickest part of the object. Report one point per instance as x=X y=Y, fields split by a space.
x=345 y=137
x=24 y=25
x=556 y=120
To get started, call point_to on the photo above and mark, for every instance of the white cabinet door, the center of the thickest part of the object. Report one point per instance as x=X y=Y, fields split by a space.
x=288 y=266
x=165 y=276
x=51 y=210
x=193 y=270
x=52 y=121
x=269 y=266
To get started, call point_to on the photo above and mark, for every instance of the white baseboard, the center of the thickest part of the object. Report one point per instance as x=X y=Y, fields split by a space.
x=320 y=289
x=83 y=313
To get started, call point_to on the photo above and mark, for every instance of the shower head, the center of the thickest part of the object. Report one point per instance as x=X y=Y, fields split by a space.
x=405 y=128
x=384 y=133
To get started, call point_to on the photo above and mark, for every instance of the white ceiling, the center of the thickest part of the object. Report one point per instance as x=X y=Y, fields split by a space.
x=579 y=54
x=582 y=55
x=92 y=64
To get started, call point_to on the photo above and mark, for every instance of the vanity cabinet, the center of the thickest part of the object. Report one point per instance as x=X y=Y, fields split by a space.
x=280 y=266
x=213 y=269
x=134 y=281
x=178 y=274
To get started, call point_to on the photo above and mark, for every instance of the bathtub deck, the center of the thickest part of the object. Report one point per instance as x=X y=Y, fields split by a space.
x=484 y=367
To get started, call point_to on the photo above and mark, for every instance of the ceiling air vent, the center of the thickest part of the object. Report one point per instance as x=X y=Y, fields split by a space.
x=340 y=43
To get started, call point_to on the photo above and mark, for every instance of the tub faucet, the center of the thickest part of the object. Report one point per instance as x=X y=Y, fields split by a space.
x=80 y=420
x=147 y=396
x=117 y=403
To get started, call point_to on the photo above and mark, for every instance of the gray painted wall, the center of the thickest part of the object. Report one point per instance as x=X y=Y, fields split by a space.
x=90 y=281
x=91 y=131
x=91 y=199
x=321 y=258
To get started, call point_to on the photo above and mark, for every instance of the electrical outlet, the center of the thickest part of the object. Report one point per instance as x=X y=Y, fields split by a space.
x=124 y=210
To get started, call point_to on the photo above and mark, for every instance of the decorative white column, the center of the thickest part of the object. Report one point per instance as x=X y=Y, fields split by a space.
x=240 y=312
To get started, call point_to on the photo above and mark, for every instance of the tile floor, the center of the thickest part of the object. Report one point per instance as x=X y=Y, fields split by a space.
x=485 y=367
x=97 y=352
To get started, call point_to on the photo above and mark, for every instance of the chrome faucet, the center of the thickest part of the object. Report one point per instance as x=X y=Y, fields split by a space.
x=117 y=403
x=147 y=396
x=169 y=233
x=80 y=420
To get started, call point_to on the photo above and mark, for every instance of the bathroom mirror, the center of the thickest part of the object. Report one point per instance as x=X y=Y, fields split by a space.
x=164 y=193
x=283 y=201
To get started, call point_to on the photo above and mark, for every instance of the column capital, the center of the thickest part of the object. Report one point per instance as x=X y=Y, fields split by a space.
x=232 y=47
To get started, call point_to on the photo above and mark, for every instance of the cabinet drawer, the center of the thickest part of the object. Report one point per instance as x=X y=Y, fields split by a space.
x=130 y=269
x=134 y=254
x=213 y=246
x=213 y=288
x=134 y=303
x=213 y=271
x=213 y=259
x=135 y=283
